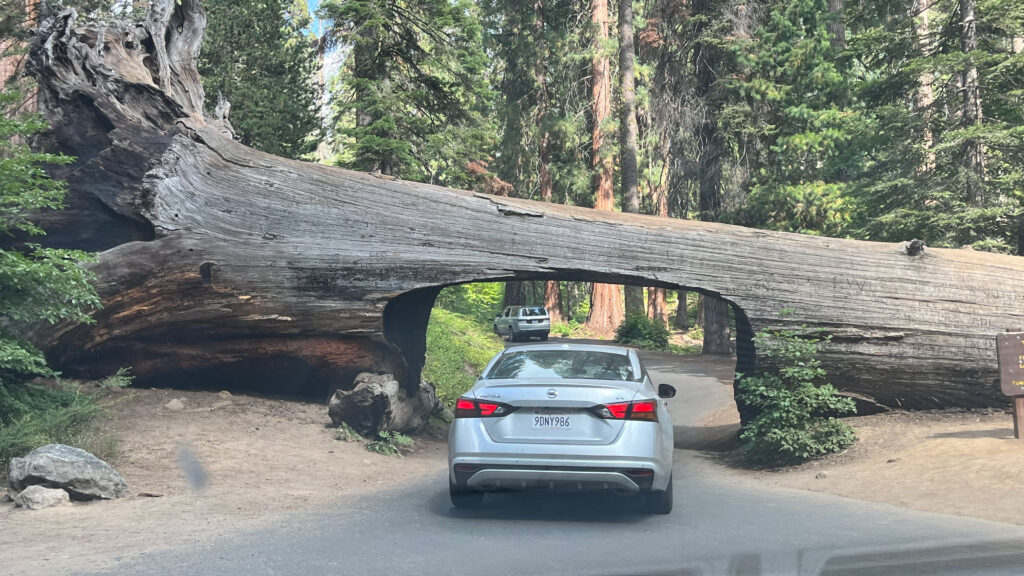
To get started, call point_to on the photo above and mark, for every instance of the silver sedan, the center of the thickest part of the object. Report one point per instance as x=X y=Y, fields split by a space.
x=563 y=416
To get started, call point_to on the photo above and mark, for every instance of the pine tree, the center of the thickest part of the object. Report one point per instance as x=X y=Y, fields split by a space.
x=413 y=100
x=37 y=284
x=933 y=166
x=257 y=56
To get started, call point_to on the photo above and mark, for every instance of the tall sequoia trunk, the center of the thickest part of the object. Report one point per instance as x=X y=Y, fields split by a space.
x=682 y=321
x=515 y=294
x=627 y=146
x=715 y=313
x=552 y=293
x=221 y=263
x=553 y=300
x=974 y=151
x=606 y=311
x=924 y=97
x=836 y=25
x=657 y=309
x=716 y=326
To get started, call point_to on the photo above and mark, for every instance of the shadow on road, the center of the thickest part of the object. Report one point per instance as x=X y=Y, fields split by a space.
x=709 y=438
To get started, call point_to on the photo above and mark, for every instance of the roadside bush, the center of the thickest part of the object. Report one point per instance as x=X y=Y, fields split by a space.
x=37 y=415
x=346 y=433
x=37 y=285
x=481 y=300
x=640 y=331
x=570 y=329
x=120 y=379
x=391 y=444
x=796 y=409
x=458 y=349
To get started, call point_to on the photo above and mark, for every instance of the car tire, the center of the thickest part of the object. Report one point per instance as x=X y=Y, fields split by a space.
x=659 y=501
x=463 y=499
x=543 y=337
x=512 y=336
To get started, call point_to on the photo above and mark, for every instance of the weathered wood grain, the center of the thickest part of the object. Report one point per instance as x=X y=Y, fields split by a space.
x=218 y=256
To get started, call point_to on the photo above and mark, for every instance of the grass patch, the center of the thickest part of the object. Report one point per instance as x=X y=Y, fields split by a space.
x=63 y=414
x=458 y=349
x=391 y=444
x=120 y=379
x=346 y=433
x=685 y=349
x=571 y=329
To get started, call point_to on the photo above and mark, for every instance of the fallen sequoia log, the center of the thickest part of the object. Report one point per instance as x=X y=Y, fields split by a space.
x=220 y=263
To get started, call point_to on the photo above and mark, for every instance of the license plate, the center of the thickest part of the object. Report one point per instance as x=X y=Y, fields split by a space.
x=542 y=421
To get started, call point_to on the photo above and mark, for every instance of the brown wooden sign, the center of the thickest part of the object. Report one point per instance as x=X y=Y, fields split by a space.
x=1010 y=350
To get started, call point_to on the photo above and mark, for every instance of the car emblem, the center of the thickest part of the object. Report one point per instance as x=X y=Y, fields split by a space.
x=552 y=393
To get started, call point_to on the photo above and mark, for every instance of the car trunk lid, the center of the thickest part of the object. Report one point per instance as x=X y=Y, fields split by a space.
x=555 y=411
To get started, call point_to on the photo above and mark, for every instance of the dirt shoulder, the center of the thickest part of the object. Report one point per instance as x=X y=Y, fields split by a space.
x=259 y=458
x=264 y=459
x=965 y=463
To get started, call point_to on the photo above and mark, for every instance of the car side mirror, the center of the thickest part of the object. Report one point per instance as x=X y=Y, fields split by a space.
x=666 y=391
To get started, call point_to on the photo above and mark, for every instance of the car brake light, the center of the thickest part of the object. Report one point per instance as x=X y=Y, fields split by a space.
x=469 y=408
x=642 y=410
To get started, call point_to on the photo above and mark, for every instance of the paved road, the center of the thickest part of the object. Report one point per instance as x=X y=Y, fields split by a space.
x=721 y=525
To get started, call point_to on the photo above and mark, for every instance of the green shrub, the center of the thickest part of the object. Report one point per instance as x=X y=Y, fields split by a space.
x=36 y=415
x=120 y=379
x=38 y=285
x=391 y=444
x=458 y=349
x=796 y=409
x=640 y=331
x=480 y=300
x=563 y=329
x=686 y=349
x=346 y=433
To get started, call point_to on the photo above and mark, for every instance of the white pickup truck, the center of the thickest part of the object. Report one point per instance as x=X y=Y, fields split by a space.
x=523 y=323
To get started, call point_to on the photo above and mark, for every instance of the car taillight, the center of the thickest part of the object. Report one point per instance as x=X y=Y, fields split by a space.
x=470 y=408
x=641 y=410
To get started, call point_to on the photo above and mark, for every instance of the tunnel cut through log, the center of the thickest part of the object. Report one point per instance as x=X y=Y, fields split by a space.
x=215 y=254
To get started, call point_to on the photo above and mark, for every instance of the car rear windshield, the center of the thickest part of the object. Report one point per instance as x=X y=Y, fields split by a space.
x=533 y=312
x=563 y=364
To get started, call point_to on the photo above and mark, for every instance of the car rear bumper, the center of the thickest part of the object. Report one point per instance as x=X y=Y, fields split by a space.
x=490 y=477
x=533 y=328
x=629 y=464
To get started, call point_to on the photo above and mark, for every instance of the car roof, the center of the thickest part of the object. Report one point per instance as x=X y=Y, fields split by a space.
x=624 y=350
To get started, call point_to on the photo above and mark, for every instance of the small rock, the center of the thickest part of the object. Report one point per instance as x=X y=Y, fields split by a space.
x=224 y=394
x=150 y=495
x=821 y=475
x=175 y=405
x=891 y=460
x=37 y=497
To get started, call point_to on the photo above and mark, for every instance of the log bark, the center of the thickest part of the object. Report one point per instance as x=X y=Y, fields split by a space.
x=218 y=258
